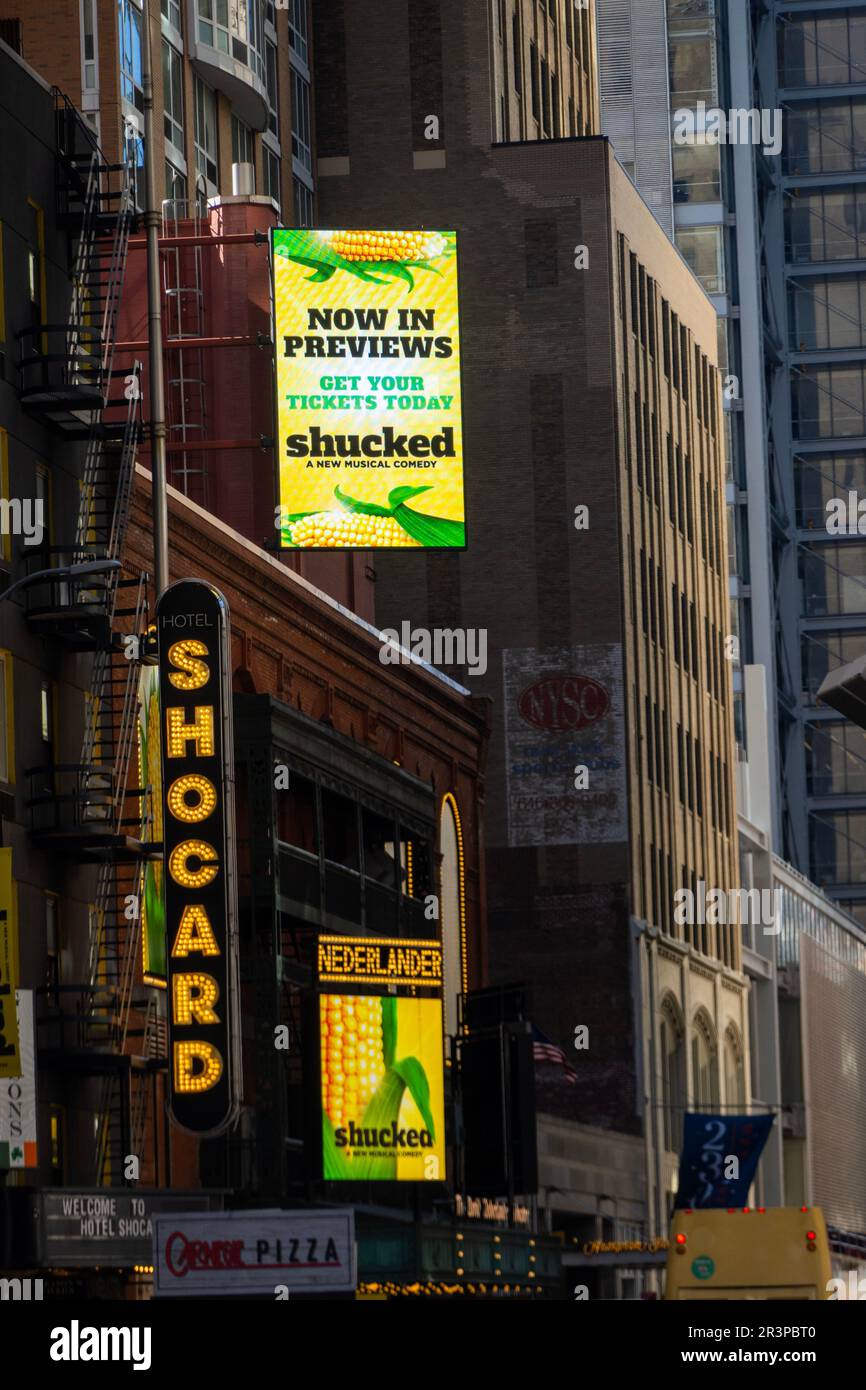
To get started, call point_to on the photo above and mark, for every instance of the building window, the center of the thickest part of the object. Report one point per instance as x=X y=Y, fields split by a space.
x=271 y=167
x=515 y=49
x=45 y=712
x=533 y=79
x=835 y=759
x=89 y=70
x=36 y=287
x=703 y=248
x=705 y=1079
x=175 y=190
x=57 y=1143
x=235 y=27
x=172 y=80
x=826 y=224
x=827 y=312
x=243 y=145
x=823 y=651
x=43 y=502
x=697 y=173
x=206 y=143
x=129 y=15
x=273 y=89
x=298 y=30
x=7 y=720
x=133 y=153
x=303 y=204
x=301 y=150
x=673 y=1069
x=828 y=402
x=824 y=136
x=171 y=11
x=693 y=71
x=823 y=50
x=834 y=578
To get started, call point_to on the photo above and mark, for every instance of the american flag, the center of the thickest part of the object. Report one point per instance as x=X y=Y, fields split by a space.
x=547 y=1054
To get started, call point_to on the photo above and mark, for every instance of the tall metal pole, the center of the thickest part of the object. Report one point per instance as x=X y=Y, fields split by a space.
x=154 y=323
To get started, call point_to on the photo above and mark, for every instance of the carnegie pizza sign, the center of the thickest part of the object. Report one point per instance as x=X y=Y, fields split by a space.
x=198 y=851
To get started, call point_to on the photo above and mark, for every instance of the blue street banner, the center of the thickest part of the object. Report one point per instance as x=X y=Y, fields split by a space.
x=708 y=1177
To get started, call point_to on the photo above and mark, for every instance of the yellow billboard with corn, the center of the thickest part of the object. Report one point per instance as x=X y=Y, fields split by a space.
x=382 y=1088
x=370 y=443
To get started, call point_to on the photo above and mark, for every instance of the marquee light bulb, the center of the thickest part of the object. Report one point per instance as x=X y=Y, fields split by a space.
x=195 y=933
x=192 y=784
x=179 y=733
x=186 y=1078
x=193 y=878
x=194 y=994
x=193 y=674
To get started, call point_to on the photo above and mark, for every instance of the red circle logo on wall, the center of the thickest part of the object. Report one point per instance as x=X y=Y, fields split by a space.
x=561 y=703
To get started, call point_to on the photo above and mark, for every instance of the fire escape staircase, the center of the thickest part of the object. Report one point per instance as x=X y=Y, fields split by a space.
x=107 y=1026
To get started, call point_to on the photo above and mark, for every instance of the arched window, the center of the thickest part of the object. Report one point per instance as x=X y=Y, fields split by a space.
x=705 y=1068
x=452 y=909
x=673 y=1064
x=735 y=1071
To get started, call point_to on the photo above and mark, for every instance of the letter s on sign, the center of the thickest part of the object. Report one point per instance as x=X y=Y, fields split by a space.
x=184 y=655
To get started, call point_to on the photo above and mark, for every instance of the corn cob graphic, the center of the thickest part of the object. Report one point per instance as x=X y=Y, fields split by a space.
x=353 y=1061
x=405 y=247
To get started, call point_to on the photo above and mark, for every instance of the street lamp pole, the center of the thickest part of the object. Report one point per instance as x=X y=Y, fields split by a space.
x=154 y=322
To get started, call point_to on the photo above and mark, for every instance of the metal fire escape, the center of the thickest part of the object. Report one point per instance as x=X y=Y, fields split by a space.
x=98 y=1028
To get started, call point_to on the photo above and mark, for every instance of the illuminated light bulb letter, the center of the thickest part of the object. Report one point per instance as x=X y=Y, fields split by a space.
x=193 y=673
x=195 y=933
x=179 y=733
x=197 y=1067
x=193 y=878
x=194 y=996
x=192 y=784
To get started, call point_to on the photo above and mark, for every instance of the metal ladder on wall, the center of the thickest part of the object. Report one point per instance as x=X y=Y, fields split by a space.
x=115 y=938
x=102 y=194
x=182 y=285
x=110 y=736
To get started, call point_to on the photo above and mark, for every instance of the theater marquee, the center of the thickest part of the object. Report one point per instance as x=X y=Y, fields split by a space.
x=380 y=1092
x=198 y=857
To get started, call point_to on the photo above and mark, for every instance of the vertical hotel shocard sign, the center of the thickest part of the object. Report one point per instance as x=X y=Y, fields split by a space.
x=198 y=840
x=370 y=444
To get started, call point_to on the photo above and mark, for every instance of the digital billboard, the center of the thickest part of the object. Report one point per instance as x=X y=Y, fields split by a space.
x=381 y=1074
x=198 y=857
x=382 y=1089
x=369 y=437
